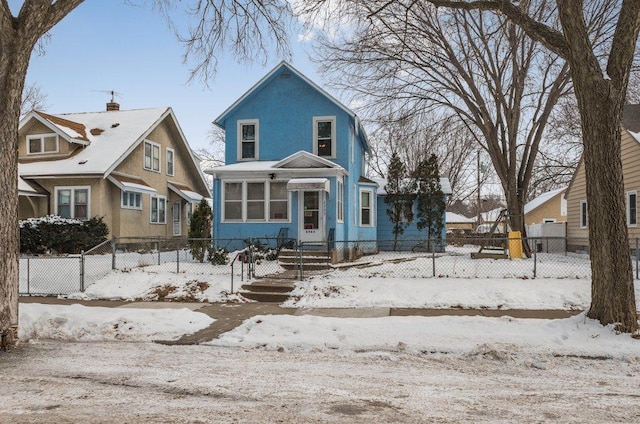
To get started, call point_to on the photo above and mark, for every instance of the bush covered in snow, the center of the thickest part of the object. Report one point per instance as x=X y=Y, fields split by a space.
x=54 y=234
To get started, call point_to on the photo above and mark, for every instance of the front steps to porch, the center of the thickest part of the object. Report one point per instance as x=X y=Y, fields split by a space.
x=270 y=290
x=312 y=260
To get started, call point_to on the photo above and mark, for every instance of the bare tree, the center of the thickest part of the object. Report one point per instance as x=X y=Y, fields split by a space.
x=499 y=83
x=33 y=98
x=240 y=24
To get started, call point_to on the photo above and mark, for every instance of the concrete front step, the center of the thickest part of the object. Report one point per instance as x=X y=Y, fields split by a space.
x=273 y=291
x=267 y=297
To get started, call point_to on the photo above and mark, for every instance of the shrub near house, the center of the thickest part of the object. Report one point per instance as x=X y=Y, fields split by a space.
x=53 y=234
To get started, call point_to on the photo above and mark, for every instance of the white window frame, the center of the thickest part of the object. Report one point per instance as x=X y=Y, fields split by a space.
x=256 y=124
x=72 y=205
x=371 y=207
x=244 y=202
x=339 y=200
x=584 y=223
x=144 y=156
x=136 y=194
x=318 y=119
x=628 y=207
x=269 y=200
x=42 y=144
x=171 y=170
x=158 y=199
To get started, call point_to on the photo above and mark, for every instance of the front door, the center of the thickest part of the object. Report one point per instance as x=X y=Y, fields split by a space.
x=177 y=221
x=311 y=222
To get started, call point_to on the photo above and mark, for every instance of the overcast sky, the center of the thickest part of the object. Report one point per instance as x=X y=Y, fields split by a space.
x=109 y=45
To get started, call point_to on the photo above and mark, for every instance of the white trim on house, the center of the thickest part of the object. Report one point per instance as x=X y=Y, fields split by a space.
x=339 y=200
x=320 y=184
x=371 y=207
x=134 y=203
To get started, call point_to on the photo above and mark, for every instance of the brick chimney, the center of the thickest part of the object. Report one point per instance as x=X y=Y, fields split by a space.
x=113 y=106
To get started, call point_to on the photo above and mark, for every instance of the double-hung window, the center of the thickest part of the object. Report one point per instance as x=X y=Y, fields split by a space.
x=151 y=156
x=233 y=201
x=42 y=143
x=632 y=208
x=131 y=200
x=248 y=139
x=255 y=201
x=366 y=208
x=584 y=215
x=73 y=202
x=158 y=210
x=170 y=161
x=324 y=136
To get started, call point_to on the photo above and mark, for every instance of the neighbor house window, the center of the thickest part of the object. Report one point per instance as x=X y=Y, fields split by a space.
x=73 y=202
x=42 y=143
x=158 y=210
x=131 y=200
x=248 y=139
x=151 y=156
x=632 y=208
x=189 y=212
x=340 y=201
x=366 y=208
x=584 y=216
x=170 y=163
x=278 y=201
x=249 y=200
x=324 y=136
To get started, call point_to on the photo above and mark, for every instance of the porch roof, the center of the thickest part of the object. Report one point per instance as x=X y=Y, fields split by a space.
x=126 y=183
x=185 y=192
x=321 y=184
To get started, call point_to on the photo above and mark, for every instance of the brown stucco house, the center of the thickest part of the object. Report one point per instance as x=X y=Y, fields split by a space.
x=134 y=168
x=577 y=214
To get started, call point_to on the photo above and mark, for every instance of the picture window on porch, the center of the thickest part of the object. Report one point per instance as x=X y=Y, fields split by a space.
x=42 y=143
x=73 y=202
x=324 y=136
x=248 y=201
x=248 y=140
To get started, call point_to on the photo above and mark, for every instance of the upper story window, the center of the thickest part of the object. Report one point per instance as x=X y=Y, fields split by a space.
x=73 y=202
x=151 y=156
x=324 y=136
x=170 y=161
x=248 y=139
x=42 y=143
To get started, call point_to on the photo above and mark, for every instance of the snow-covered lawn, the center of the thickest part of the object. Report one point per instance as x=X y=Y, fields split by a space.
x=74 y=362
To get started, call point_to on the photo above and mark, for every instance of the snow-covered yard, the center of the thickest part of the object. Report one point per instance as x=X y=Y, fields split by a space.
x=90 y=363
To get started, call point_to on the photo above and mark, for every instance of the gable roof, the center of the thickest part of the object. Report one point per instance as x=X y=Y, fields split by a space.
x=542 y=199
x=277 y=70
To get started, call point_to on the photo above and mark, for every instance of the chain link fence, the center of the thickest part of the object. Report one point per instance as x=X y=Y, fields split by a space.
x=469 y=257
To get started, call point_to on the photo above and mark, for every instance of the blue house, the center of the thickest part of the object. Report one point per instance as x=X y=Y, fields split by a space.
x=294 y=164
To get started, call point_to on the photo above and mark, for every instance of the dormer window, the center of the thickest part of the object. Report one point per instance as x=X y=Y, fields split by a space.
x=324 y=136
x=42 y=143
x=248 y=137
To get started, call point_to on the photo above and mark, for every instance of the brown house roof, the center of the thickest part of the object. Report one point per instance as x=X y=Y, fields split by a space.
x=75 y=126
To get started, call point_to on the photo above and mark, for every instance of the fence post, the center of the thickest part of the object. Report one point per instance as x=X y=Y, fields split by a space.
x=113 y=253
x=28 y=275
x=433 y=257
x=300 y=247
x=178 y=258
x=158 y=249
x=82 y=270
x=535 y=262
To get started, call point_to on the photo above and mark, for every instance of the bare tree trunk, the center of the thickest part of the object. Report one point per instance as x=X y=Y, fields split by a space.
x=612 y=291
x=13 y=69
